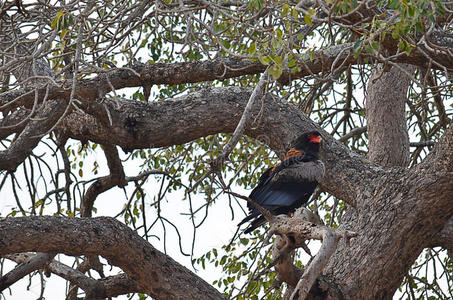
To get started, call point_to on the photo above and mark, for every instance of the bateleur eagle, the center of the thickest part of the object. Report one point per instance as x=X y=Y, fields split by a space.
x=287 y=186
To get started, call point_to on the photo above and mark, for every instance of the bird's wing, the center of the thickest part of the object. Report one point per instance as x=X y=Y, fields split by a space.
x=278 y=195
x=264 y=179
x=267 y=187
x=282 y=197
x=279 y=198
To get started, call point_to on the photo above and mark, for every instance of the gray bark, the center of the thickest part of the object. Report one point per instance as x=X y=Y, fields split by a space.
x=155 y=273
x=386 y=116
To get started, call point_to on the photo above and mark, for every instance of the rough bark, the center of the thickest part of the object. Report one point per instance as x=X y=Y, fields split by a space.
x=397 y=216
x=155 y=273
x=386 y=117
x=395 y=219
x=212 y=111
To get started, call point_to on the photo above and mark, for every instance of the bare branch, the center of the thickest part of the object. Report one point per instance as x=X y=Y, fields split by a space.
x=116 y=177
x=49 y=114
x=294 y=231
x=38 y=261
x=156 y=273
x=95 y=289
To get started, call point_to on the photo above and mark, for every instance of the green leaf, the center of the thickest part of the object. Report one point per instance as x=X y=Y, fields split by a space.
x=393 y=4
x=375 y=45
x=357 y=45
x=56 y=20
x=265 y=60
x=357 y=48
x=276 y=71
x=285 y=9
x=252 y=49
x=244 y=241
x=408 y=49
x=307 y=19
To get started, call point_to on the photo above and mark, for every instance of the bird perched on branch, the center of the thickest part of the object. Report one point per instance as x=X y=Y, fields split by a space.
x=288 y=185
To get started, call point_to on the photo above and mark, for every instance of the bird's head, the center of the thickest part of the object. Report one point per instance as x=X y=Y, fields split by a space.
x=308 y=141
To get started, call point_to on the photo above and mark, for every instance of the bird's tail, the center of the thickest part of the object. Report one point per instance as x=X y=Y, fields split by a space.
x=255 y=224
x=249 y=217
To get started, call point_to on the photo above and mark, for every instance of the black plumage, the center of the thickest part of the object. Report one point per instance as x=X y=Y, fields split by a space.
x=288 y=185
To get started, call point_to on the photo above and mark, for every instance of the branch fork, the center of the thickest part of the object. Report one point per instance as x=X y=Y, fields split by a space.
x=292 y=234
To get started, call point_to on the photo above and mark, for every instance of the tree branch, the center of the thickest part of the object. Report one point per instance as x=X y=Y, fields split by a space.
x=155 y=273
x=212 y=111
x=116 y=177
x=111 y=286
x=50 y=113
x=34 y=263
x=296 y=230
x=445 y=238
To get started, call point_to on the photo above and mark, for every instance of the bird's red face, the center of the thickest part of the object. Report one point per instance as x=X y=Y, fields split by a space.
x=315 y=138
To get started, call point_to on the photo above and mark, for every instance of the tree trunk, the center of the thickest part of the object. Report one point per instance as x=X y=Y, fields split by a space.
x=402 y=210
x=386 y=118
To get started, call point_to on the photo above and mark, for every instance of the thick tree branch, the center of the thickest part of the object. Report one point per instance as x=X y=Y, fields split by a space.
x=212 y=111
x=445 y=238
x=386 y=116
x=155 y=273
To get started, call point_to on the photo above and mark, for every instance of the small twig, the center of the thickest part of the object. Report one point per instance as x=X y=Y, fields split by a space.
x=422 y=144
x=217 y=163
x=257 y=92
x=266 y=214
x=354 y=132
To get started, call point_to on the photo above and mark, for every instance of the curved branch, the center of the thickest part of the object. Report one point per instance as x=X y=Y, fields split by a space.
x=211 y=111
x=156 y=273
x=36 y=262
x=116 y=177
x=110 y=286
x=51 y=113
x=445 y=238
